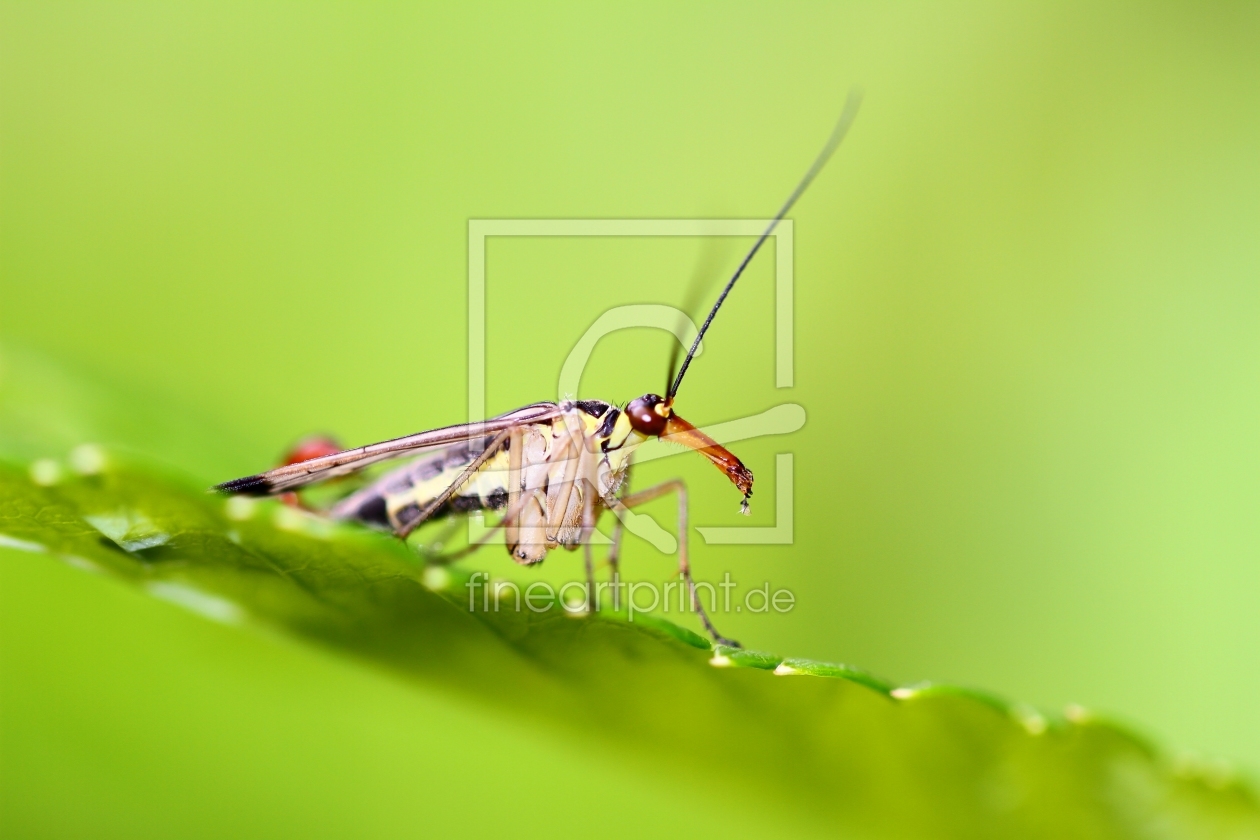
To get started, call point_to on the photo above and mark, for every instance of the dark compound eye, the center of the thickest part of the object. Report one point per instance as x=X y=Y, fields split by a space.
x=648 y=415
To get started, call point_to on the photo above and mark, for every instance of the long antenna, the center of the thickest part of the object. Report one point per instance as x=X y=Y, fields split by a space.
x=713 y=252
x=837 y=134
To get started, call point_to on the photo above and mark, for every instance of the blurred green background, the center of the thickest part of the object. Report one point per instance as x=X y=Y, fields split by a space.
x=1027 y=341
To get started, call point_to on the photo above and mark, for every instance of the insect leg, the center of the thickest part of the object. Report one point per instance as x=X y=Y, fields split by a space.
x=684 y=566
x=432 y=551
x=590 y=492
x=513 y=513
x=619 y=530
x=515 y=482
x=588 y=526
x=442 y=498
x=571 y=453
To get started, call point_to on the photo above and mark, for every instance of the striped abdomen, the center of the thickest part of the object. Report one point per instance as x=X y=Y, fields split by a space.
x=396 y=500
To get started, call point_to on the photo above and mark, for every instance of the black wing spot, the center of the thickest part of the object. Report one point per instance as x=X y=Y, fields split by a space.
x=250 y=485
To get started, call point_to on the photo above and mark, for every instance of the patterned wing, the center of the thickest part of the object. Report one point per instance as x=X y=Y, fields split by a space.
x=293 y=476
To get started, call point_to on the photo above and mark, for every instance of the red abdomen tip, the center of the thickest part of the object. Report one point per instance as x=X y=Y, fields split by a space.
x=312 y=447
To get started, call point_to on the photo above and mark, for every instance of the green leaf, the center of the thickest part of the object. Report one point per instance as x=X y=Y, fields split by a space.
x=804 y=735
x=821 y=743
